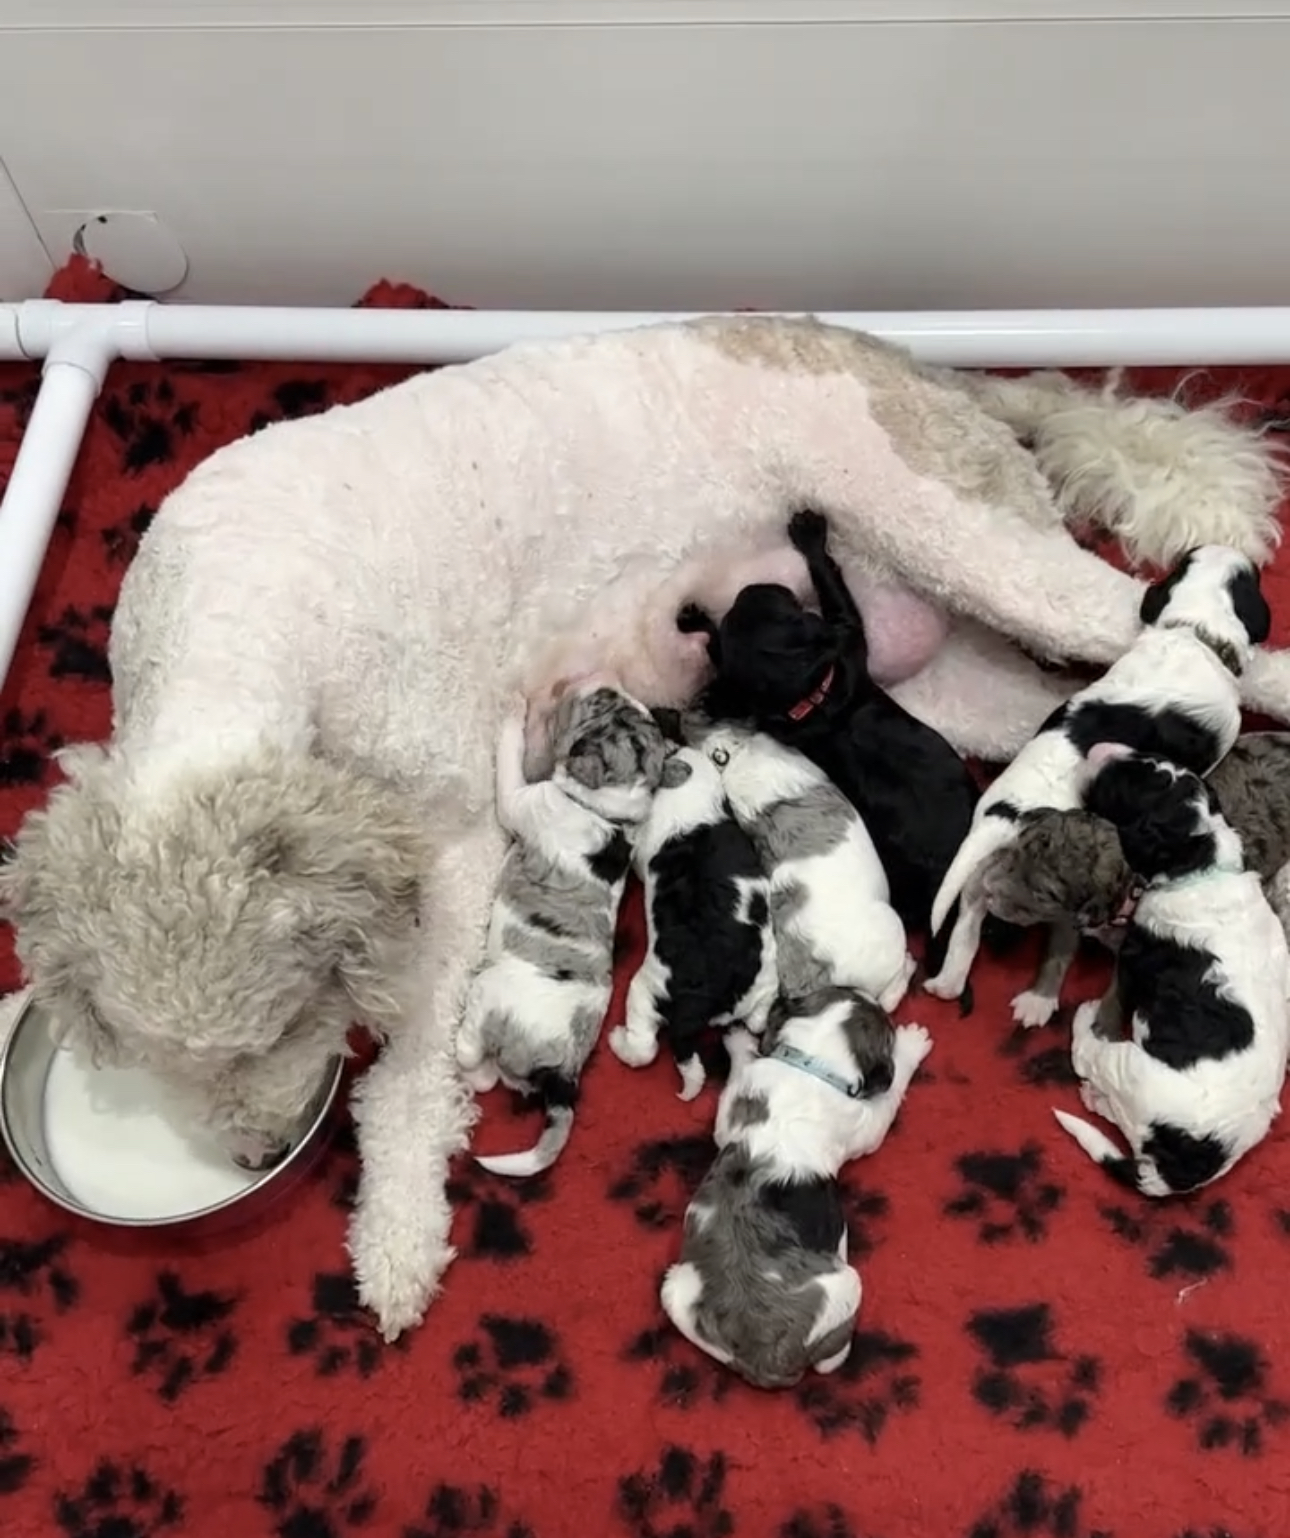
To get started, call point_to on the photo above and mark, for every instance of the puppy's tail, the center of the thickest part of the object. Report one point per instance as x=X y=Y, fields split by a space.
x=558 y=1095
x=1133 y=1174
x=1158 y=476
x=985 y=837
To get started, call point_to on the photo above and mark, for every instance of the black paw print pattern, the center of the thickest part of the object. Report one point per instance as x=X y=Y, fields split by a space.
x=26 y=744
x=1223 y=1393
x=1043 y=1058
x=1026 y=1379
x=181 y=1337
x=876 y=1381
x=663 y=1176
x=78 y=642
x=121 y=540
x=338 y=1335
x=34 y=1280
x=865 y=1210
x=826 y=1521
x=15 y=1463
x=119 y=1501
x=1179 y=1245
x=146 y=419
x=684 y=1497
x=1034 y=1508
x=455 y=1512
x=686 y=1376
x=313 y=1491
x=514 y=1364
x=1005 y=1194
x=493 y=1209
x=294 y=398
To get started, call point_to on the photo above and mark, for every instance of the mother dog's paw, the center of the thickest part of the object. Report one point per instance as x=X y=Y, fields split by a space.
x=397 y=1267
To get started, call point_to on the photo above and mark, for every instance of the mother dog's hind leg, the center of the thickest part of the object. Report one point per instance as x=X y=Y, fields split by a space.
x=413 y=1111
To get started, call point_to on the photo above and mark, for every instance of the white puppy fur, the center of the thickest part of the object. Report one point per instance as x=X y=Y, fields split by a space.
x=834 y=925
x=710 y=952
x=292 y=826
x=1171 y=691
x=1204 y=974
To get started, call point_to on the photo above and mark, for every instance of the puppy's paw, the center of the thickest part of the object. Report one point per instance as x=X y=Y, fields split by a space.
x=692 y=620
x=942 y=987
x=480 y=1079
x=693 y=1078
x=1033 y=1009
x=808 y=531
x=913 y=1043
x=634 y=1048
x=1085 y=1015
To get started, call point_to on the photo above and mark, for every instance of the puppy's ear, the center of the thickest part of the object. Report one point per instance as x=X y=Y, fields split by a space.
x=675 y=773
x=1249 y=604
x=1158 y=594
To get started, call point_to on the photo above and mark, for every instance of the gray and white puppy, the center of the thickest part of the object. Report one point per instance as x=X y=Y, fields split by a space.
x=1067 y=870
x=536 y=1004
x=763 y=1284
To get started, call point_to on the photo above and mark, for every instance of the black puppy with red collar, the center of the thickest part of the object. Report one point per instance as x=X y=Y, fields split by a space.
x=804 y=679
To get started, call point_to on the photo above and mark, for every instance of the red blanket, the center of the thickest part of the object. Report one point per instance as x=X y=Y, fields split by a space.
x=1038 y=1352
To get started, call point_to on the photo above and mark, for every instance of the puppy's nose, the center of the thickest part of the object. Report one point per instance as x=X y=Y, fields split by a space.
x=878 y=1080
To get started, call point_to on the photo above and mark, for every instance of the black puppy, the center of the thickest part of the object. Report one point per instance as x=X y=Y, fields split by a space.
x=804 y=679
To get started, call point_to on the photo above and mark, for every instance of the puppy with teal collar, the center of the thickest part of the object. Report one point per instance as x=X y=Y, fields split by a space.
x=763 y=1283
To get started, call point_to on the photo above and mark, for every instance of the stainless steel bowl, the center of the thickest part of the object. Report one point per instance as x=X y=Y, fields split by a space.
x=24 y=1066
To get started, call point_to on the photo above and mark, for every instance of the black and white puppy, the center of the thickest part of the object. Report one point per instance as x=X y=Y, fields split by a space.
x=1175 y=694
x=803 y=678
x=711 y=945
x=1202 y=981
x=763 y=1282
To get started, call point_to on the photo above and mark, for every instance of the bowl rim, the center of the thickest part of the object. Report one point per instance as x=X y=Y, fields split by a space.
x=328 y=1089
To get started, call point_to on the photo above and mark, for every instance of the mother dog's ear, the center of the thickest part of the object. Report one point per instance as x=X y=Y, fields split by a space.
x=347 y=855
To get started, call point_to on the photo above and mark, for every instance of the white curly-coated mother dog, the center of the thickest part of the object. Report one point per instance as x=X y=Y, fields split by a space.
x=291 y=827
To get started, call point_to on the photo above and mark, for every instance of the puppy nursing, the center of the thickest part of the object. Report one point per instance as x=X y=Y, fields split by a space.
x=710 y=958
x=536 y=1005
x=1175 y=693
x=762 y=1283
x=1202 y=981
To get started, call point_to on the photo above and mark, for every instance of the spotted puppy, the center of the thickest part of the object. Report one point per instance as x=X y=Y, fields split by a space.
x=1067 y=871
x=1174 y=694
x=536 y=1005
x=763 y=1283
x=1202 y=981
x=711 y=949
x=829 y=898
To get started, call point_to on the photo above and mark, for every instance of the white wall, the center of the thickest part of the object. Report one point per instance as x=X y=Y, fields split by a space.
x=871 y=153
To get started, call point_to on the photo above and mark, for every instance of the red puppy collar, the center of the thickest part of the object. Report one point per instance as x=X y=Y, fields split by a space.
x=803 y=708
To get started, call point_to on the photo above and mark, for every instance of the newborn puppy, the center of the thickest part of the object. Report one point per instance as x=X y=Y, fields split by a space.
x=1067 y=870
x=804 y=679
x=535 y=1006
x=834 y=925
x=711 y=955
x=1174 y=694
x=1202 y=981
x=763 y=1283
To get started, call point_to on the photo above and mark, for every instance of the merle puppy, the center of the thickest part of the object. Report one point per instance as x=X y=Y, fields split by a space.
x=1201 y=982
x=803 y=678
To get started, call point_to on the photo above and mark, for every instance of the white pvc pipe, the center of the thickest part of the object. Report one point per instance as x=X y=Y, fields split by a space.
x=35 y=491
x=78 y=342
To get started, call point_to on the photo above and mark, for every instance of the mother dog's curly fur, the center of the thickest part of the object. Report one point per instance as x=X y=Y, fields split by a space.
x=292 y=823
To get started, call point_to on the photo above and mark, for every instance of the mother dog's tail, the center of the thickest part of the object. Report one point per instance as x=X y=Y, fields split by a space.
x=557 y=1095
x=1157 y=475
x=1139 y=1175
